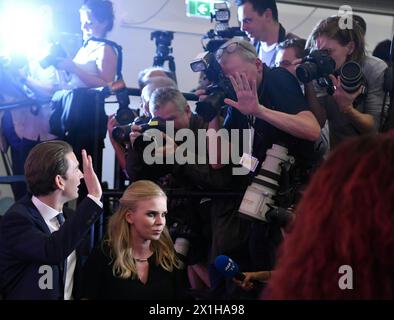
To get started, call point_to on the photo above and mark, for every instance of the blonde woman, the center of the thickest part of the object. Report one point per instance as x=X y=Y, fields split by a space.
x=137 y=259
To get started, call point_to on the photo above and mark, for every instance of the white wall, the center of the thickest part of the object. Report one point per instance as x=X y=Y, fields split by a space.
x=139 y=50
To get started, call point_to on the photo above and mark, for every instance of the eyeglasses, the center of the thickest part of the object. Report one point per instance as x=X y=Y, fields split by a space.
x=231 y=48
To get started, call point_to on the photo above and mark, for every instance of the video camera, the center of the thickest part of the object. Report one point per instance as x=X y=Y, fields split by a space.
x=222 y=32
x=56 y=54
x=318 y=65
x=259 y=201
x=220 y=88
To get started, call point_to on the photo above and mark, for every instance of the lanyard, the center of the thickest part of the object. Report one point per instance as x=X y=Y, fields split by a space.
x=251 y=122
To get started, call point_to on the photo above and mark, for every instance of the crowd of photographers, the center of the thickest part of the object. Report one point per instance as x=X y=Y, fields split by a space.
x=291 y=102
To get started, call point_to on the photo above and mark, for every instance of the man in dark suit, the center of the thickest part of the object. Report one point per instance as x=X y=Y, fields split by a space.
x=38 y=257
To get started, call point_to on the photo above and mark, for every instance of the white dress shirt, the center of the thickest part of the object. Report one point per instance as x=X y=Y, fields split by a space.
x=49 y=215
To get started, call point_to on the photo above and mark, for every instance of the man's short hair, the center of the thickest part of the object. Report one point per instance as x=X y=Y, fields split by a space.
x=142 y=79
x=102 y=10
x=162 y=96
x=154 y=83
x=44 y=162
x=244 y=49
x=297 y=44
x=261 y=5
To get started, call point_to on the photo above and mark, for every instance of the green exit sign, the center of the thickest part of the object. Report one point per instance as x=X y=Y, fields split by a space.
x=199 y=8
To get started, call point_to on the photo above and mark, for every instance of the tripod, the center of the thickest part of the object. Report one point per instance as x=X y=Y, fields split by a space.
x=159 y=60
x=163 y=50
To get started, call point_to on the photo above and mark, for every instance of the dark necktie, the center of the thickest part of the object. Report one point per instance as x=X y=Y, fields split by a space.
x=60 y=219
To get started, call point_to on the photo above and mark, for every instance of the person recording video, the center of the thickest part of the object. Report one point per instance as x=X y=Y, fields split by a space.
x=137 y=259
x=352 y=101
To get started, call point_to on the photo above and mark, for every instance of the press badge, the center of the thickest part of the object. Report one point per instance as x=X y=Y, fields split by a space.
x=249 y=162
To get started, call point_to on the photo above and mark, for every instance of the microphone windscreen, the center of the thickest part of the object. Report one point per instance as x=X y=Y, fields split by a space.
x=226 y=266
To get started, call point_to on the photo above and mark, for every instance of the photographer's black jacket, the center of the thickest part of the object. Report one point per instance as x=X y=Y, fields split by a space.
x=193 y=176
x=278 y=91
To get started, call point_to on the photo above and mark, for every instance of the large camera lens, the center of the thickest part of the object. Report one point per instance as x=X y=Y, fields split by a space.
x=307 y=71
x=351 y=76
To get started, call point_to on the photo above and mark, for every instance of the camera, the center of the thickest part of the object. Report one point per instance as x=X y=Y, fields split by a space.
x=163 y=46
x=222 y=32
x=121 y=133
x=317 y=65
x=220 y=88
x=154 y=123
x=56 y=54
x=259 y=199
x=124 y=115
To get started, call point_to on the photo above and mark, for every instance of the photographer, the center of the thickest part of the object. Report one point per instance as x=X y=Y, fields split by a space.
x=121 y=147
x=94 y=66
x=288 y=56
x=348 y=114
x=270 y=102
x=95 y=63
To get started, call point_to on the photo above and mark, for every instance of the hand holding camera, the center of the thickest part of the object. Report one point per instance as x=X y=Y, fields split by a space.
x=343 y=98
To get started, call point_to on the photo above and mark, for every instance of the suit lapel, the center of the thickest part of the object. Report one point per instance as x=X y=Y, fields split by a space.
x=35 y=214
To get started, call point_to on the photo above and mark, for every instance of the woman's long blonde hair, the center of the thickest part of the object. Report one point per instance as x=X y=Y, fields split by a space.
x=119 y=233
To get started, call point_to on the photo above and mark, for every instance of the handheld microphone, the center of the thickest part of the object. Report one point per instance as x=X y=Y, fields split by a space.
x=228 y=268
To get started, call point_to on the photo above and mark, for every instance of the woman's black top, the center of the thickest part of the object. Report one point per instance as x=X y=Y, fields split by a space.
x=98 y=281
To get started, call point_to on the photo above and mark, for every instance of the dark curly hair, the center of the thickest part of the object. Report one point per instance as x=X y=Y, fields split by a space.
x=102 y=10
x=346 y=217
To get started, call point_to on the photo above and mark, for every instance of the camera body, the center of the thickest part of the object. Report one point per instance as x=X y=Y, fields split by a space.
x=121 y=133
x=56 y=54
x=222 y=32
x=318 y=65
x=259 y=199
x=220 y=88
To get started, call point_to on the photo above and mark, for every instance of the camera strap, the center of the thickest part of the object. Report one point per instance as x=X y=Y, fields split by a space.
x=118 y=50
